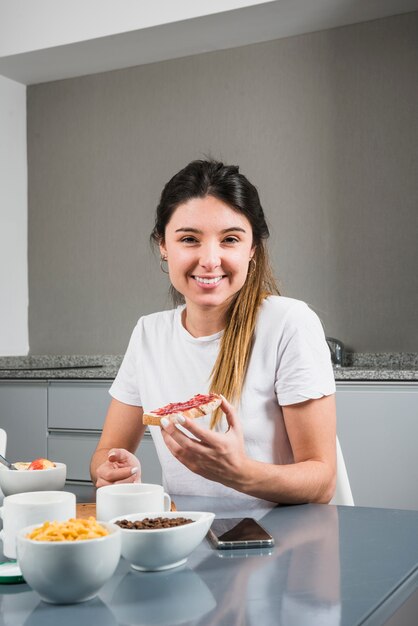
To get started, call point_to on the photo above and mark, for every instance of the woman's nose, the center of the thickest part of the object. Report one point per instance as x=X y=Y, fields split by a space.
x=209 y=257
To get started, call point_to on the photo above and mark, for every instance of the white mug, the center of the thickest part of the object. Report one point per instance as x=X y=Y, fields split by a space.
x=35 y=507
x=123 y=499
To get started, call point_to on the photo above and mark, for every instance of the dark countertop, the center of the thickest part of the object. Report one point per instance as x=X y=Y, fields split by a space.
x=398 y=366
x=334 y=565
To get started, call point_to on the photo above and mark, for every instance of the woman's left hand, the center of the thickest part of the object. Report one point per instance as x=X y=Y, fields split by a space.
x=216 y=456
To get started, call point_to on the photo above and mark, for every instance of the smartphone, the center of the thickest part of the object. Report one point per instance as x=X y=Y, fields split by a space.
x=246 y=532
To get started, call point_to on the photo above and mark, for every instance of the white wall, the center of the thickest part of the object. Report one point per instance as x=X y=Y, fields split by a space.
x=14 y=338
x=26 y=25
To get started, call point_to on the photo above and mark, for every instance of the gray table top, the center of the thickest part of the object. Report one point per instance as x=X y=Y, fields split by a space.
x=330 y=566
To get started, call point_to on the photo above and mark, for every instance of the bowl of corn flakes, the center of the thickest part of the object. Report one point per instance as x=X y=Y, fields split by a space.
x=68 y=562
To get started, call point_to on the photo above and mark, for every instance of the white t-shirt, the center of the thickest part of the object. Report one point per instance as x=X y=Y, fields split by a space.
x=290 y=363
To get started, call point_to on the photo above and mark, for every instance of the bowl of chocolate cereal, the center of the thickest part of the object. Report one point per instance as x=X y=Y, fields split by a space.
x=159 y=541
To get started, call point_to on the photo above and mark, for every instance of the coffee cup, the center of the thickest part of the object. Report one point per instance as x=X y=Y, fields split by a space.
x=123 y=499
x=25 y=509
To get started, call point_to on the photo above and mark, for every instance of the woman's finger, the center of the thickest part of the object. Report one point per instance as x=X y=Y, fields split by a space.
x=230 y=413
x=174 y=447
x=112 y=474
x=116 y=455
x=120 y=455
x=134 y=478
x=101 y=482
x=185 y=430
x=200 y=433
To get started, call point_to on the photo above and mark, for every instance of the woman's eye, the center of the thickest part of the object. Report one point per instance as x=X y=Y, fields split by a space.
x=188 y=239
x=231 y=240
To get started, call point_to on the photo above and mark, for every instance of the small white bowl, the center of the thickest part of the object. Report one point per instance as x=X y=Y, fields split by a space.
x=66 y=572
x=163 y=548
x=21 y=481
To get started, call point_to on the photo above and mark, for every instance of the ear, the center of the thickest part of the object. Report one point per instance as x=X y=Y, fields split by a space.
x=163 y=249
x=252 y=251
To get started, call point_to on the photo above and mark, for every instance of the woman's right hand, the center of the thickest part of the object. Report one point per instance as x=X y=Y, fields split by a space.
x=121 y=467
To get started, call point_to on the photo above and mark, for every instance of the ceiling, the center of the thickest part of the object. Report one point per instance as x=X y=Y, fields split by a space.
x=228 y=29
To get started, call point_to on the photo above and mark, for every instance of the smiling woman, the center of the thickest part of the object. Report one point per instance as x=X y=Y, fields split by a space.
x=224 y=222
x=231 y=334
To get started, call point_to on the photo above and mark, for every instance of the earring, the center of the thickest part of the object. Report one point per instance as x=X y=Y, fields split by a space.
x=254 y=262
x=162 y=260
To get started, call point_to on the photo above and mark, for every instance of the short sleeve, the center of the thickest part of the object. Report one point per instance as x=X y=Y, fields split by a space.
x=304 y=368
x=125 y=387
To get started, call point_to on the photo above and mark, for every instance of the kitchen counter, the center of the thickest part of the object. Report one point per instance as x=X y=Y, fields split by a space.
x=341 y=566
x=390 y=366
x=57 y=367
x=357 y=367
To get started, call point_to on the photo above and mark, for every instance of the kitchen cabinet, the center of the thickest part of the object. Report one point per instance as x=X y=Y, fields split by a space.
x=62 y=420
x=377 y=426
x=23 y=415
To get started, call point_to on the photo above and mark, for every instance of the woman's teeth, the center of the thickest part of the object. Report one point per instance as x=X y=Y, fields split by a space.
x=208 y=281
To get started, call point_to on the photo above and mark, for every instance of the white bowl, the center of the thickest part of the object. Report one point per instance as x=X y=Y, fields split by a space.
x=21 y=481
x=163 y=548
x=65 y=572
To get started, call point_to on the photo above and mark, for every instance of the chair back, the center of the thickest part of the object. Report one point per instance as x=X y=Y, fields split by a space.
x=342 y=493
x=3 y=442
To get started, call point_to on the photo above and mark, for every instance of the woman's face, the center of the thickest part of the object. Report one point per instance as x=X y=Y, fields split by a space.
x=208 y=247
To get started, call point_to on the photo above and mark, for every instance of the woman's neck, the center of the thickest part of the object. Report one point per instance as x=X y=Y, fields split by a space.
x=204 y=322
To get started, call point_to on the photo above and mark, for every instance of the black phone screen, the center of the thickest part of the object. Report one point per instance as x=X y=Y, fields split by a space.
x=239 y=532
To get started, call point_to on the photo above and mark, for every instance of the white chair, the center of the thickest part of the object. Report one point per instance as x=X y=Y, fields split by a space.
x=3 y=442
x=342 y=493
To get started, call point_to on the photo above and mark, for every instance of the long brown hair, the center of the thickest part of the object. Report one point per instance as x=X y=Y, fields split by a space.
x=212 y=178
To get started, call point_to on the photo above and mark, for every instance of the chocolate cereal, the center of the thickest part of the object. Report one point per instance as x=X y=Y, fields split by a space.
x=153 y=523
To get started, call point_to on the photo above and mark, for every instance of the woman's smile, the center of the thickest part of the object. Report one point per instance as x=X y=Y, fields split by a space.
x=207 y=281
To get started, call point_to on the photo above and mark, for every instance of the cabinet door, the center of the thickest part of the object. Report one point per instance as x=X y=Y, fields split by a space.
x=76 y=448
x=378 y=432
x=78 y=405
x=23 y=415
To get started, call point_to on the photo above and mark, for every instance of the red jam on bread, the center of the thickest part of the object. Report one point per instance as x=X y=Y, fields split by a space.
x=200 y=404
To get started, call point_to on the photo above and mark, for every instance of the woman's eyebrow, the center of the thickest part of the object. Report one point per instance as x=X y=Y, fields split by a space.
x=199 y=232
x=188 y=230
x=234 y=228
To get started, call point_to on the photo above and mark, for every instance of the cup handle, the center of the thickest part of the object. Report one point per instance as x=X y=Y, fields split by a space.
x=1 y=511
x=167 y=502
x=2 y=534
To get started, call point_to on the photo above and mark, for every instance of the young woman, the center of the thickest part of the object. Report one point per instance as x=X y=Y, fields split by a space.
x=273 y=439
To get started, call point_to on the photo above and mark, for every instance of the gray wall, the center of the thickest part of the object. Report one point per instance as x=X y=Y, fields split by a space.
x=326 y=126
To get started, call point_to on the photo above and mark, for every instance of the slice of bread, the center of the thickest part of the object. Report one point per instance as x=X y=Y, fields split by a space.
x=195 y=407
